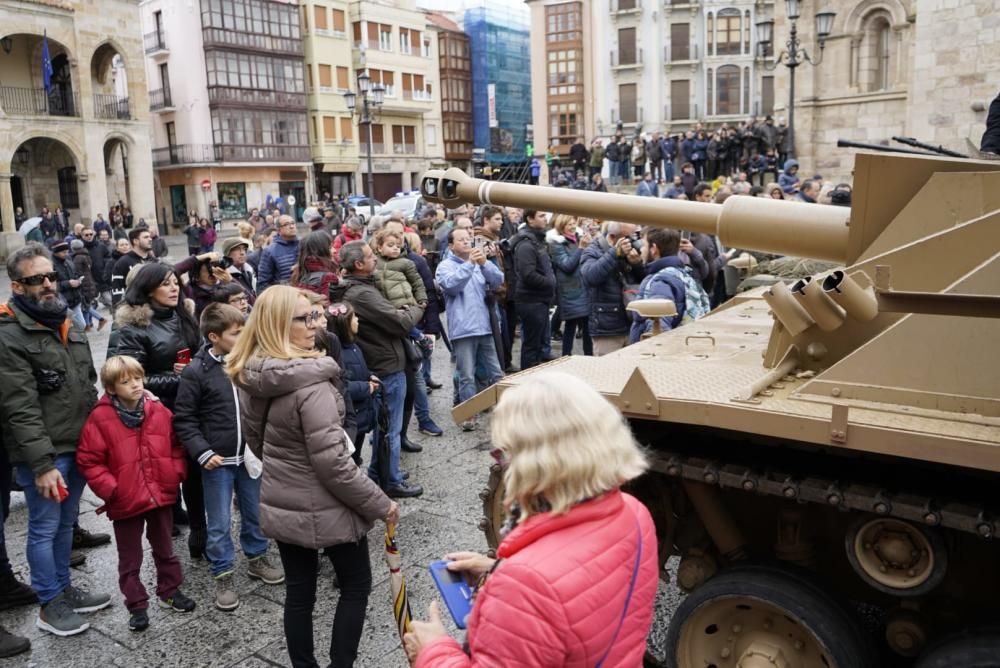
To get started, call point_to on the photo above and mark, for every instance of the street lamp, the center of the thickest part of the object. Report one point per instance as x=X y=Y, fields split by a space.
x=794 y=53
x=371 y=99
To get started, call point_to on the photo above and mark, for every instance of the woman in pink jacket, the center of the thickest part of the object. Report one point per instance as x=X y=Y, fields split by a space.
x=578 y=567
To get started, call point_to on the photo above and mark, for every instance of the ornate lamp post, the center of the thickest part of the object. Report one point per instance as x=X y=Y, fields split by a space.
x=794 y=53
x=371 y=98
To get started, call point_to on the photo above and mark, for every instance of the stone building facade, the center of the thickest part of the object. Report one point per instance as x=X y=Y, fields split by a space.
x=917 y=68
x=83 y=143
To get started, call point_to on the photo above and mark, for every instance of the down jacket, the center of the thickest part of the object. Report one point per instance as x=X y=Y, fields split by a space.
x=573 y=297
x=399 y=280
x=132 y=470
x=312 y=493
x=558 y=594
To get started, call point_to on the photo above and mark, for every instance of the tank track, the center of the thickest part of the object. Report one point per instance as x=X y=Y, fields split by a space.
x=917 y=508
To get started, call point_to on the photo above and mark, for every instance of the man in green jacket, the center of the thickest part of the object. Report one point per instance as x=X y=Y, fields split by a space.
x=46 y=394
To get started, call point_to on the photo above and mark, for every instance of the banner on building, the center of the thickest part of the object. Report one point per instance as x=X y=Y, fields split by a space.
x=491 y=92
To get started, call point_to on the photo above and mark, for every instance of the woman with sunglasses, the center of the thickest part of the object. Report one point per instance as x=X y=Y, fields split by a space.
x=157 y=328
x=313 y=496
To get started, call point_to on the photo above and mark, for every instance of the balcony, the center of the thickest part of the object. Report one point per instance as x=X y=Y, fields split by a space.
x=681 y=54
x=225 y=96
x=376 y=148
x=619 y=7
x=634 y=118
x=618 y=63
x=155 y=44
x=419 y=95
x=404 y=149
x=112 y=107
x=687 y=113
x=36 y=102
x=291 y=46
x=161 y=100
x=184 y=154
x=262 y=153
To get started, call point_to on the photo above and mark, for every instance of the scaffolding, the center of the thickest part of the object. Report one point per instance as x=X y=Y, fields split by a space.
x=501 y=79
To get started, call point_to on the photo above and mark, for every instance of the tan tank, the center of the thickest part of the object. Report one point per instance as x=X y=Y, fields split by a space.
x=820 y=449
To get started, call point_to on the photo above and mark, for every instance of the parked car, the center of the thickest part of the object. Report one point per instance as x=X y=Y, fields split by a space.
x=362 y=206
x=409 y=203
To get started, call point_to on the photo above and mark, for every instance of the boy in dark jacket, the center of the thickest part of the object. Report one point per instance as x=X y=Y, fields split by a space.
x=132 y=460
x=207 y=421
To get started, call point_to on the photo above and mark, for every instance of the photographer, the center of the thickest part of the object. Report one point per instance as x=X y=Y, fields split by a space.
x=610 y=264
x=234 y=258
x=209 y=271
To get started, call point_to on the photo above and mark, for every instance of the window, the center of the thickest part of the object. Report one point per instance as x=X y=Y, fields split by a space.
x=746 y=31
x=329 y=129
x=404 y=139
x=409 y=39
x=232 y=200
x=252 y=71
x=414 y=87
x=564 y=67
x=256 y=17
x=378 y=137
x=767 y=95
x=626 y=4
x=319 y=18
x=325 y=76
x=680 y=41
x=709 y=35
x=746 y=90
x=356 y=26
x=627 y=103
x=69 y=196
x=680 y=100
x=626 y=46
x=384 y=37
x=728 y=33
x=171 y=134
x=425 y=49
x=240 y=126
x=309 y=75
x=430 y=135
x=563 y=22
x=165 y=78
x=727 y=99
x=563 y=123
x=346 y=129
x=881 y=57
x=342 y=78
x=339 y=22
x=384 y=77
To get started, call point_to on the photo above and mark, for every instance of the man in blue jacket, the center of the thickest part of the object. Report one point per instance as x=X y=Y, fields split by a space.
x=464 y=277
x=609 y=266
x=277 y=260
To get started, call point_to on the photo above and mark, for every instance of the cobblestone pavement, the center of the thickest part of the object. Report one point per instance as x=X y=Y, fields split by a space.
x=452 y=468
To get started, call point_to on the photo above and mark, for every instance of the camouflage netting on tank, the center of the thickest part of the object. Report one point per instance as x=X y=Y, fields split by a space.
x=786 y=268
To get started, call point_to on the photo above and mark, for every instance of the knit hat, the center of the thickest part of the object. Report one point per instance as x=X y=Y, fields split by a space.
x=232 y=242
x=311 y=214
x=76 y=244
x=60 y=247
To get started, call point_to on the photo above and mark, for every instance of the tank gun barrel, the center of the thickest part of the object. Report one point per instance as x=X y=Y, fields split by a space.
x=847 y=143
x=910 y=141
x=753 y=223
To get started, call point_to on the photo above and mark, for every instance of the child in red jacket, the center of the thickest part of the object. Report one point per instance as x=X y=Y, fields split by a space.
x=132 y=459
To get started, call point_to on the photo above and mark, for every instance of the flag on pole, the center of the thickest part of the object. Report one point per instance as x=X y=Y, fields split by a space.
x=46 y=63
x=400 y=602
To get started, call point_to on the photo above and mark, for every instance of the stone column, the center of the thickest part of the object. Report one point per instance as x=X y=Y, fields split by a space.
x=6 y=204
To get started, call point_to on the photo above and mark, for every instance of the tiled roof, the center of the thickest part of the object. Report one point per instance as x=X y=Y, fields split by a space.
x=443 y=22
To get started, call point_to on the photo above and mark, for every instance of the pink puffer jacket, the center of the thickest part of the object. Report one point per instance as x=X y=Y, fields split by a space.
x=557 y=598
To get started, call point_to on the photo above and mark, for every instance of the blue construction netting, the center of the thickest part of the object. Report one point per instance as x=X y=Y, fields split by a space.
x=500 y=50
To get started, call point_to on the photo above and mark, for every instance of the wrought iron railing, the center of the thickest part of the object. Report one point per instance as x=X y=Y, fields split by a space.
x=36 y=102
x=154 y=41
x=184 y=154
x=112 y=107
x=271 y=98
x=160 y=99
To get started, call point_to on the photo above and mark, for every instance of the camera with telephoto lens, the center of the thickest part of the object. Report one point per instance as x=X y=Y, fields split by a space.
x=223 y=263
x=49 y=381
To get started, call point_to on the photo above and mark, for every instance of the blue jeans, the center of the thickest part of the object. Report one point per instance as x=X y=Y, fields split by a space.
x=426 y=367
x=90 y=314
x=668 y=172
x=76 y=315
x=472 y=353
x=420 y=405
x=219 y=484
x=50 y=528
x=394 y=388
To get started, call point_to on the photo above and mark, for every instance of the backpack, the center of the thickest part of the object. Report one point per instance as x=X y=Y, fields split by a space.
x=696 y=302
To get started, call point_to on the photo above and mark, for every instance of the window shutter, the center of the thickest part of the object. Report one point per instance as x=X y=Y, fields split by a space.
x=338 y=20
x=342 y=78
x=325 y=76
x=346 y=129
x=680 y=41
x=680 y=100
x=329 y=129
x=319 y=17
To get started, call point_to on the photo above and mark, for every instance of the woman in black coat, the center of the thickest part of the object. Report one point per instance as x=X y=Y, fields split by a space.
x=156 y=327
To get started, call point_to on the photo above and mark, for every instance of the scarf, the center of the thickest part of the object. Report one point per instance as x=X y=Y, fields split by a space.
x=131 y=418
x=51 y=319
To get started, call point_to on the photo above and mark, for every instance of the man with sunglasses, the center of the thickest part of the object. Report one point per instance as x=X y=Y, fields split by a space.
x=47 y=393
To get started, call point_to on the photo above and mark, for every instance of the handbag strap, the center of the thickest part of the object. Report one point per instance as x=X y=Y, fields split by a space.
x=628 y=595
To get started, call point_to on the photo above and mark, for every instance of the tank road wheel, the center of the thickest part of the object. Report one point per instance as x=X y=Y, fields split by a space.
x=977 y=648
x=897 y=557
x=762 y=617
x=494 y=514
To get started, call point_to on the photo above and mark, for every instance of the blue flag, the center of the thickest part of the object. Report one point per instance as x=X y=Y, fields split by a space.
x=46 y=64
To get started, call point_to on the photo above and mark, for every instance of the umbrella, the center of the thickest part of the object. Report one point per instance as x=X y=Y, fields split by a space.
x=400 y=602
x=29 y=225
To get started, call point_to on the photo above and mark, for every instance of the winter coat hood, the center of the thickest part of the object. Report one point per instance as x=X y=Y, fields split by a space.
x=269 y=378
x=790 y=163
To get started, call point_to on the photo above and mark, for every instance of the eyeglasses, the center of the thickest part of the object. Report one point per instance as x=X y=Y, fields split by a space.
x=238 y=300
x=337 y=309
x=309 y=318
x=88 y=236
x=38 y=279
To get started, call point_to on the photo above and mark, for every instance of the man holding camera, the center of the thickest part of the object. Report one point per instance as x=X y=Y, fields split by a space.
x=608 y=267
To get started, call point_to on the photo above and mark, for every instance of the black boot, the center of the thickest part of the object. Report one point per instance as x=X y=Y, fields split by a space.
x=196 y=543
x=409 y=446
x=83 y=538
x=14 y=593
x=12 y=645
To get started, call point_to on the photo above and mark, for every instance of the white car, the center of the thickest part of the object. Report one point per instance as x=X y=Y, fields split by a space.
x=410 y=204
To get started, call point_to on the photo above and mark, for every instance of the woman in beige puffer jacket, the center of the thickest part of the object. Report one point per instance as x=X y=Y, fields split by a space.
x=313 y=496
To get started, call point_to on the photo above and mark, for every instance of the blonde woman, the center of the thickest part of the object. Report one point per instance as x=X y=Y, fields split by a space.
x=566 y=245
x=313 y=496
x=577 y=570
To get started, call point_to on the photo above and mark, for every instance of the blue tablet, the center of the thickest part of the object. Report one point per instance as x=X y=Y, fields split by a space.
x=455 y=591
